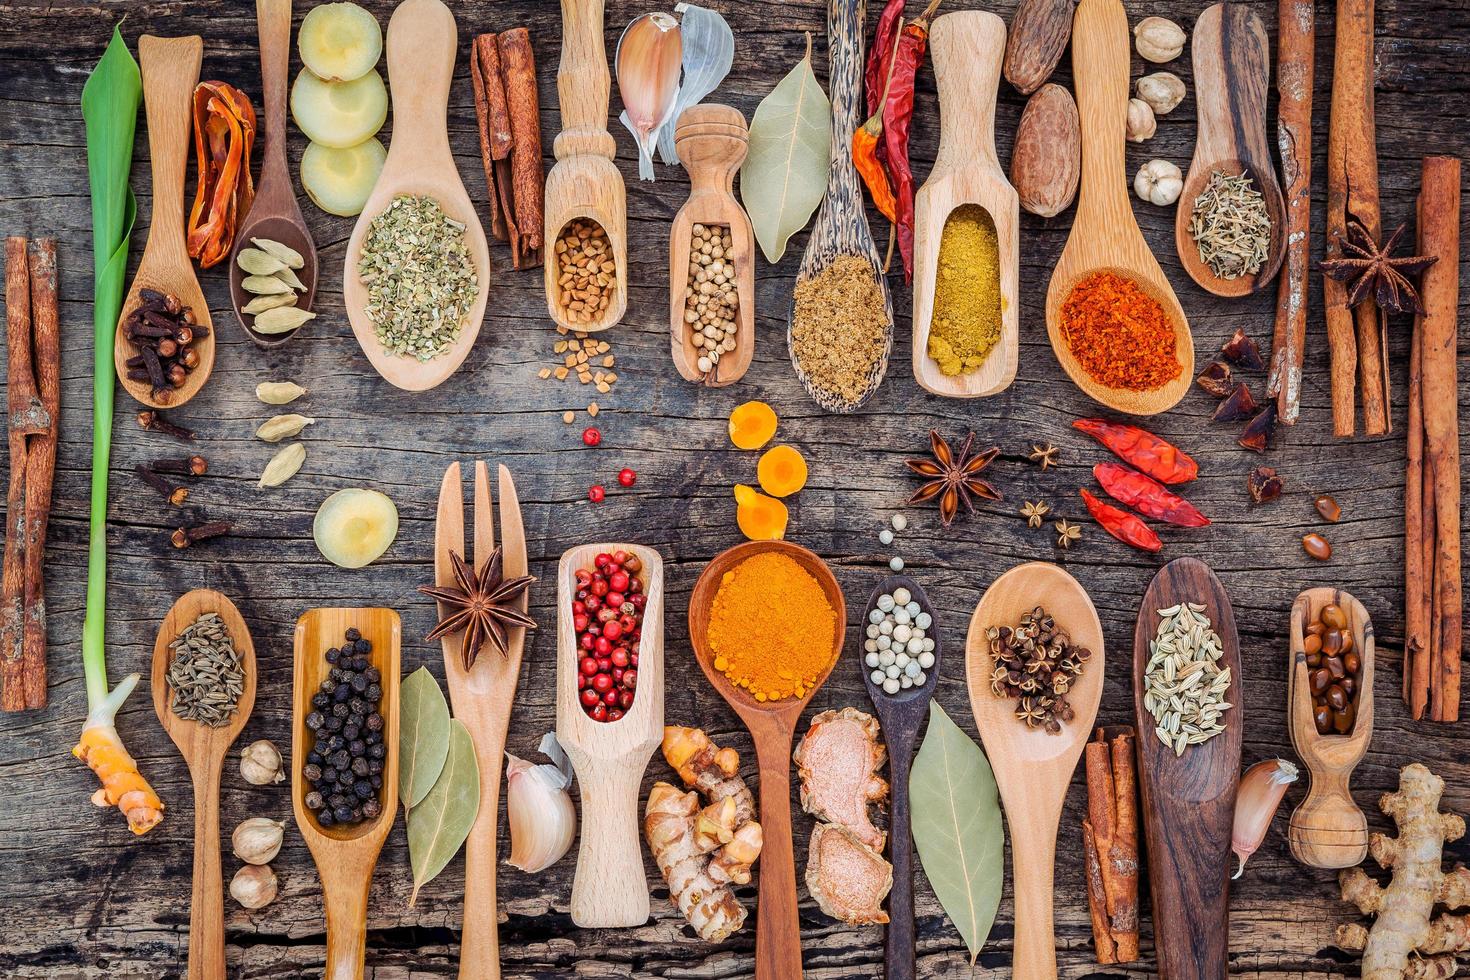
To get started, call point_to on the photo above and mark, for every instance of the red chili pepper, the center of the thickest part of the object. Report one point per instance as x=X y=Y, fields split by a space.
x=1147 y=496
x=1158 y=458
x=880 y=54
x=1127 y=528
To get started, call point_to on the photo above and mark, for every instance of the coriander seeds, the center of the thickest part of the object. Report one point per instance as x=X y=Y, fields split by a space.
x=711 y=298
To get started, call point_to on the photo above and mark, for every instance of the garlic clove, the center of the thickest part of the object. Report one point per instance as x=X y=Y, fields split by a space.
x=649 y=59
x=257 y=840
x=254 y=886
x=1256 y=801
x=542 y=819
x=261 y=763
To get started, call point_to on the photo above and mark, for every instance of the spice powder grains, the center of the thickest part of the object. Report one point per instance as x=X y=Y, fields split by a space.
x=838 y=328
x=771 y=627
x=1119 y=334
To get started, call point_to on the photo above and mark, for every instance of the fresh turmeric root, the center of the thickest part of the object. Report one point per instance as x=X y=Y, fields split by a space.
x=123 y=786
x=1404 y=941
x=702 y=852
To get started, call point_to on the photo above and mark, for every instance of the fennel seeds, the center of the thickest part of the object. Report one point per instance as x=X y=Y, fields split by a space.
x=419 y=276
x=1184 y=685
x=1231 y=226
x=205 y=673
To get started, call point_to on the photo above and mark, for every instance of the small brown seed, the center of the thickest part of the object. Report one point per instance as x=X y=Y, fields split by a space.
x=1317 y=546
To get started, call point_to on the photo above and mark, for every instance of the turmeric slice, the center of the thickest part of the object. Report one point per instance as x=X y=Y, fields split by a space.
x=752 y=424
x=759 y=517
x=781 y=471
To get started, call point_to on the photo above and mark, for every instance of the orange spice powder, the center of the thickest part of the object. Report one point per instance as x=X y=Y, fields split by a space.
x=1120 y=334
x=771 y=628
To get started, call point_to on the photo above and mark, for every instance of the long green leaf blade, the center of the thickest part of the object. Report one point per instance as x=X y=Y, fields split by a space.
x=438 y=826
x=423 y=736
x=957 y=827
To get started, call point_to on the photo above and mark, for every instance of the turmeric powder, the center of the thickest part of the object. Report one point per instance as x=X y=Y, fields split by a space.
x=771 y=628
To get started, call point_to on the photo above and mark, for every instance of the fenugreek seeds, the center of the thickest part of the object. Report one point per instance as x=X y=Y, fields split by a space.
x=1185 y=687
x=838 y=328
x=586 y=273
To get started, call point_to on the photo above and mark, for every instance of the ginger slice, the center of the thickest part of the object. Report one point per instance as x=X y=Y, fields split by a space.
x=846 y=877
x=838 y=761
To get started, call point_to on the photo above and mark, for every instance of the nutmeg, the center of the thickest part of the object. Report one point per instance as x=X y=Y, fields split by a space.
x=1047 y=161
x=1038 y=36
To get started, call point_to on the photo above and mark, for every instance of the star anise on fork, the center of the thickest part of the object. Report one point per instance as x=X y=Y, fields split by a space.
x=481 y=606
x=953 y=477
x=1367 y=268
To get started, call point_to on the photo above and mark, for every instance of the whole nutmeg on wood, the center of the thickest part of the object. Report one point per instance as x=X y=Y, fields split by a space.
x=1038 y=36
x=1163 y=91
x=1047 y=161
x=1159 y=39
x=1141 y=122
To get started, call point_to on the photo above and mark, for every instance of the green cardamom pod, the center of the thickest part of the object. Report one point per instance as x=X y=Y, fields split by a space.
x=282 y=427
x=283 y=465
x=265 y=285
x=282 y=319
x=260 y=304
x=285 y=253
x=278 y=392
x=291 y=279
x=258 y=263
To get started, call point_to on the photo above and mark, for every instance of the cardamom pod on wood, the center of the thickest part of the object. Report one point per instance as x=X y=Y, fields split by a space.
x=282 y=427
x=283 y=465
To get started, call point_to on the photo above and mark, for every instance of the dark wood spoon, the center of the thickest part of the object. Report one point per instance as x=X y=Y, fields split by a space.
x=275 y=215
x=902 y=715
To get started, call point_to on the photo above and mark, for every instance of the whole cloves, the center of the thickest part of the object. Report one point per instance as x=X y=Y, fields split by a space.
x=162 y=330
x=186 y=536
x=174 y=495
x=189 y=466
x=154 y=421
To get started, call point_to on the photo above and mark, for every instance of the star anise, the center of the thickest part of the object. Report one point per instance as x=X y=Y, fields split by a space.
x=1044 y=453
x=481 y=606
x=953 y=477
x=1371 y=269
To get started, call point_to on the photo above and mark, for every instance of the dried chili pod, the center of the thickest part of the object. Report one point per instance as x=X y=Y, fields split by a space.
x=1242 y=351
x=1240 y=405
x=1215 y=379
x=1127 y=528
x=1145 y=451
x=1147 y=496
x=1257 y=435
x=1264 y=485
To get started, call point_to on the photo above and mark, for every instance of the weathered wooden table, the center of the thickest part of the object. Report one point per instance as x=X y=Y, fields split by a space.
x=80 y=897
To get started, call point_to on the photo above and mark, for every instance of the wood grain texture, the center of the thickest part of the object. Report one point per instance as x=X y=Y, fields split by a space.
x=1033 y=767
x=967 y=48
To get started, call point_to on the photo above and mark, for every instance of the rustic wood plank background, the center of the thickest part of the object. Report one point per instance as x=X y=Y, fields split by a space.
x=81 y=898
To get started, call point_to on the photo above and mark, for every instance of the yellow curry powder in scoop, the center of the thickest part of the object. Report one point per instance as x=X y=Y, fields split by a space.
x=771 y=627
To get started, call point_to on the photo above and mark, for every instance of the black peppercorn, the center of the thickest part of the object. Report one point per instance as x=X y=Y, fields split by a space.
x=353 y=634
x=325 y=818
x=359 y=767
x=375 y=722
x=374 y=691
x=363 y=789
x=332 y=655
x=342 y=813
x=376 y=780
x=320 y=700
x=341 y=710
x=359 y=706
x=314 y=720
x=329 y=775
x=351 y=732
x=371 y=809
x=311 y=773
x=362 y=647
x=340 y=759
x=359 y=683
x=374 y=675
x=377 y=751
x=313 y=758
x=332 y=723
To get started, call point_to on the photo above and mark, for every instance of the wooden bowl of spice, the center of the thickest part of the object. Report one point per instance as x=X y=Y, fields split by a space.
x=767 y=622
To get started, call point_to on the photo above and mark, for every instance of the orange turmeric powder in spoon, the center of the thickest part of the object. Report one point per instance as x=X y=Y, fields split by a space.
x=771 y=627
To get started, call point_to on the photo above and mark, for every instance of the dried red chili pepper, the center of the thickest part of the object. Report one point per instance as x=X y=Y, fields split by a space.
x=1158 y=458
x=1127 y=528
x=880 y=55
x=1147 y=496
x=865 y=144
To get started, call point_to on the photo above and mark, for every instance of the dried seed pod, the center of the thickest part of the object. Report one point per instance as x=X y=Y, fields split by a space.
x=1163 y=91
x=1263 y=484
x=254 y=886
x=260 y=304
x=290 y=278
x=284 y=465
x=1215 y=379
x=288 y=255
x=282 y=319
x=265 y=285
x=1141 y=123
x=258 y=263
x=1159 y=39
x=257 y=840
x=278 y=392
x=282 y=427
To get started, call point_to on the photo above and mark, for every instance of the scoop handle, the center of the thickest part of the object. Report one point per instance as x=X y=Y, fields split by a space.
x=422 y=38
x=610 y=890
x=1033 y=854
x=968 y=46
x=898 y=954
x=583 y=83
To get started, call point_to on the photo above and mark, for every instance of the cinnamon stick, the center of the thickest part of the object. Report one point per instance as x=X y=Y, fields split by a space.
x=1296 y=23
x=21 y=397
x=1110 y=844
x=494 y=120
x=528 y=174
x=41 y=465
x=1416 y=613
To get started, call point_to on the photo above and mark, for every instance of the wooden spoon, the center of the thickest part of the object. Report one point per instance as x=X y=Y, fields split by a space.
x=711 y=141
x=170 y=67
x=1032 y=767
x=275 y=215
x=204 y=749
x=345 y=854
x=584 y=183
x=422 y=39
x=1232 y=74
x=1105 y=237
x=610 y=889
x=968 y=47
x=1189 y=800
x=902 y=715
x=841 y=227
x=772 y=726
x=1328 y=830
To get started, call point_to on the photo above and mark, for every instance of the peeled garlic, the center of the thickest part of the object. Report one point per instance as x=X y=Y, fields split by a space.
x=257 y=840
x=542 y=818
x=649 y=59
x=1159 y=182
x=1141 y=123
x=1256 y=802
x=254 y=886
x=261 y=763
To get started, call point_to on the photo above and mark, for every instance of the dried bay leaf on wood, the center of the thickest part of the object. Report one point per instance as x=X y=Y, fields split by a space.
x=439 y=824
x=784 y=176
x=423 y=736
x=957 y=827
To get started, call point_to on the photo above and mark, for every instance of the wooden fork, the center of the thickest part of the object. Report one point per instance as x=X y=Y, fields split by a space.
x=482 y=697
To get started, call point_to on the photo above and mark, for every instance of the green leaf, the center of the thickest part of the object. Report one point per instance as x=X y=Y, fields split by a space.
x=423 y=736
x=785 y=173
x=441 y=822
x=957 y=827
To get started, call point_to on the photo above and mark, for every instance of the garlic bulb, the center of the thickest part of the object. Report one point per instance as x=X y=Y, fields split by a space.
x=1163 y=91
x=1159 y=182
x=257 y=840
x=254 y=886
x=1256 y=802
x=261 y=763
x=649 y=59
x=1141 y=124
x=542 y=818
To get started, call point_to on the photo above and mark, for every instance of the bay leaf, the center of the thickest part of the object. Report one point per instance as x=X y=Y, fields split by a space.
x=784 y=176
x=423 y=736
x=439 y=824
x=957 y=827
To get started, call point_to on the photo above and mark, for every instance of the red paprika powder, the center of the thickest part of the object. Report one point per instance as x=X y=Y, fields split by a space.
x=1119 y=334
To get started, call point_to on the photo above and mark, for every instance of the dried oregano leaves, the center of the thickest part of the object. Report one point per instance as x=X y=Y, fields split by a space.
x=283 y=465
x=278 y=392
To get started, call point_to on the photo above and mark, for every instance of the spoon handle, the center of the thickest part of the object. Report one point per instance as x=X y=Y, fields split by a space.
x=273 y=23
x=1033 y=854
x=170 y=68
x=422 y=38
x=583 y=83
x=1100 y=66
x=206 y=905
x=898 y=956
x=777 y=928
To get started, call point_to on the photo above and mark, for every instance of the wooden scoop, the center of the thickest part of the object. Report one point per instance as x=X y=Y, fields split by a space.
x=841 y=227
x=1105 y=237
x=1032 y=767
x=610 y=890
x=585 y=183
x=968 y=47
x=422 y=39
x=170 y=67
x=204 y=749
x=902 y=715
x=345 y=854
x=772 y=726
x=275 y=215
x=1328 y=830
x=1189 y=800
x=1232 y=74
x=711 y=140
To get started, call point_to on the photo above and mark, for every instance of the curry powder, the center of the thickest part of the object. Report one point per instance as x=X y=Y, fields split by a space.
x=965 y=325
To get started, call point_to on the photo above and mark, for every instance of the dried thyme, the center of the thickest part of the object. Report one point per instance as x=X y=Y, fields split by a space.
x=204 y=673
x=838 y=328
x=1184 y=685
x=1230 y=226
x=419 y=276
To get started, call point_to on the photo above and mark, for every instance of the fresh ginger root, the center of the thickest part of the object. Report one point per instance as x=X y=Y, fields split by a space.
x=1404 y=942
x=702 y=852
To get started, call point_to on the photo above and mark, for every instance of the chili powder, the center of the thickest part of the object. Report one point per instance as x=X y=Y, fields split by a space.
x=1120 y=334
